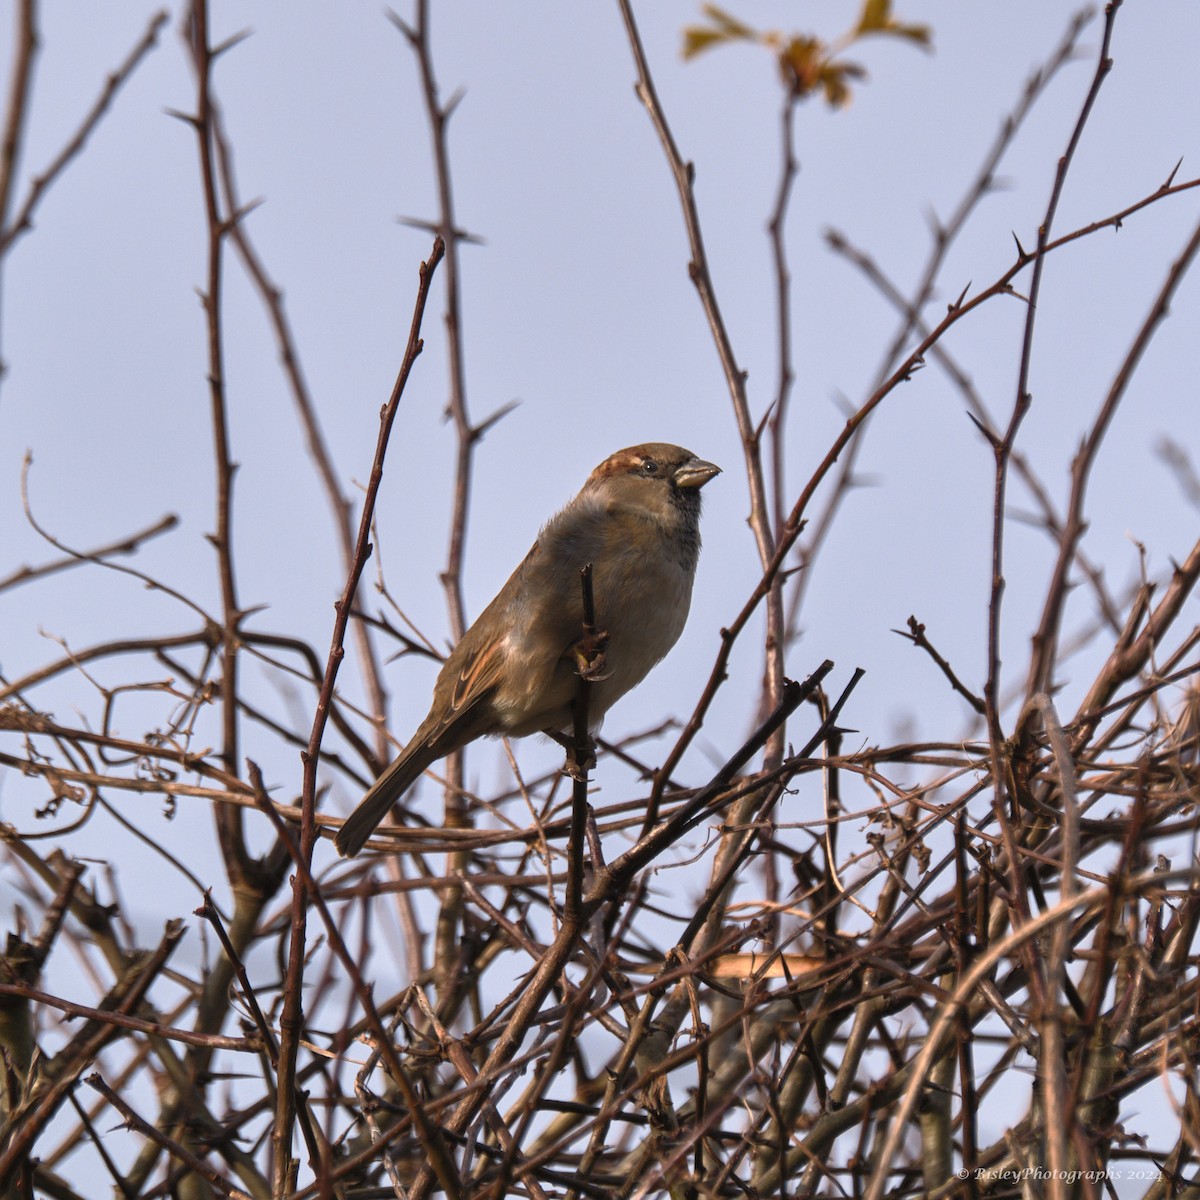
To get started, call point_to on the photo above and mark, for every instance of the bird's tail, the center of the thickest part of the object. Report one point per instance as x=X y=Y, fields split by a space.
x=399 y=776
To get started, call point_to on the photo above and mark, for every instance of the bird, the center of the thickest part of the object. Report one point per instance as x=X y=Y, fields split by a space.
x=516 y=670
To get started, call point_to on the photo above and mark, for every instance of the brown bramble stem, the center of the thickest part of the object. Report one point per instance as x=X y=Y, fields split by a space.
x=582 y=750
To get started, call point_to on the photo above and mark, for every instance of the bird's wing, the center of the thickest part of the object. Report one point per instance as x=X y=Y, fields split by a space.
x=479 y=670
x=473 y=672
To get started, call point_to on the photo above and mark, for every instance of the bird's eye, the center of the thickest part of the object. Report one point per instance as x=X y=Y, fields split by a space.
x=649 y=466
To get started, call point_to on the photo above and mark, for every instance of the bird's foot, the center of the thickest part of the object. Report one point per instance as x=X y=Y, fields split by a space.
x=572 y=767
x=575 y=769
x=589 y=657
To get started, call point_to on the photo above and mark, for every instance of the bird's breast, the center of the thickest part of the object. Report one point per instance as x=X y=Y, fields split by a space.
x=642 y=593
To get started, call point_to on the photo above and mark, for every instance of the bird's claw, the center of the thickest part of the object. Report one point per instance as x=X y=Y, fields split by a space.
x=576 y=770
x=590 y=658
x=572 y=766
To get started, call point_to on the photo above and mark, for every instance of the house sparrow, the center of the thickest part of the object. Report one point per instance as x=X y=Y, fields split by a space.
x=516 y=670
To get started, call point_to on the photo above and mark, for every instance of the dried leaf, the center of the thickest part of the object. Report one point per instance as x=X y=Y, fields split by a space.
x=697 y=38
x=729 y=24
x=724 y=28
x=805 y=61
x=877 y=18
x=876 y=15
x=765 y=966
x=921 y=34
x=834 y=80
x=801 y=60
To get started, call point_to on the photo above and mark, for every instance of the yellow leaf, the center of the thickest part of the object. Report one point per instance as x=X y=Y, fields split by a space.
x=835 y=81
x=724 y=28
x=697 y=38
x=876 y=16
x=921 y=34
x=729 y=25
x=801 y=61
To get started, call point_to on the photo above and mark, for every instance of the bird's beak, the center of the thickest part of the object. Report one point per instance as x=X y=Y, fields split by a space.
x=694 y=473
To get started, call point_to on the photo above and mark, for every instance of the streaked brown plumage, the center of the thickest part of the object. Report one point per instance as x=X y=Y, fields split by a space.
x=637 y=521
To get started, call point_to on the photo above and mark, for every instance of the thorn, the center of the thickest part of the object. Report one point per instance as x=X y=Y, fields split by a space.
x=455 y=100
x=186 y=118
x=957 y=304
x=241 y=214
x=762 y=424
x=460 y=235
x=1171 y=177
x=228 y=44
x=1021 y=255
x=402 y=25
x=993 y=440
x=494 y=419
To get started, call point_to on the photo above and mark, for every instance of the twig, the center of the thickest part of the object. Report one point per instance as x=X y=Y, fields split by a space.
x=211 y=1041
x=1045 y=640
x=1002 y=449
x=172 y=1147
x=429 y=1134
x=35 y=1113
x=1133 y=651
x=228 y=822
x=945 y=235
x=272 y=299
x=466 y=436
x=613 y=878
x=947 y=1014
x=439 y=115
x=591 y=659
x=22 y=222
x=16 y=113
x=83 y=556
x=776 y=227
x=916 y=635
x=208 y=912
x=766 y=539
x=292 y=1016
x=127 y=545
